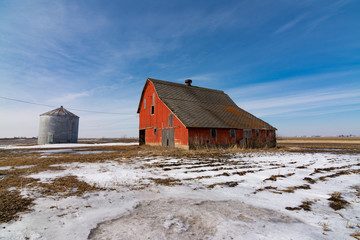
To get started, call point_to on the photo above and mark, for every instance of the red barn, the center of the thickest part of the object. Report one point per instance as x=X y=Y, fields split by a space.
x=186 y=116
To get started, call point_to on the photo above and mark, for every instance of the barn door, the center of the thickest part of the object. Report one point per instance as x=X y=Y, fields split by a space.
x=167 y=137
x=142 y=137
x=248 y=138
x=247 y=141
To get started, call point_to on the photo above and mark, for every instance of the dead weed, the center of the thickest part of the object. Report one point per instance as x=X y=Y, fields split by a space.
x=166 y=181
x=337 y=202
x=227 y=184
x=305 y=205
x=64 y=186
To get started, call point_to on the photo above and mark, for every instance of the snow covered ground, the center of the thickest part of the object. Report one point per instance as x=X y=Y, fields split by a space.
x=242 y=196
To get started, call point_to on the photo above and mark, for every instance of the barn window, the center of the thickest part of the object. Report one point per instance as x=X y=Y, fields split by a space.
x=213 y=133
x=267 y=133
x=257 y=132
x=145 y=103
x=155 y=131
x=232 y=133
x=171 y=121
x=153 y=105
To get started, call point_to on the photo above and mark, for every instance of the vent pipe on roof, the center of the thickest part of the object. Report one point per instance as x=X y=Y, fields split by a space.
x=188 y=82
x=61 y=107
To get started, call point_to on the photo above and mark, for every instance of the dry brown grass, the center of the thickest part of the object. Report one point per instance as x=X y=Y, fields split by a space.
x=339 y=173
x=11 y=203
x=286 y=190
x=275 y=177
x=227 y=184
x=63 y=186
x=166 y=181
x=305 y=205
x=309 y=180
x=355 y=235
x=337 y=202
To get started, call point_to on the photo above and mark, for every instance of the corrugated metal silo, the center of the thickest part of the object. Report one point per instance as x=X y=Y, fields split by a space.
x=58 y=126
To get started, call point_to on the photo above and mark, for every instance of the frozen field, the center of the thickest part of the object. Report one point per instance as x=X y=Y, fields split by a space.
x=246 y=195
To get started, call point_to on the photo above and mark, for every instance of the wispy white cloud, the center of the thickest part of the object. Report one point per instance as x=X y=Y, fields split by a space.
x=324 y=95
x=290 y=24
x=292 y=84
x=319 y=112
x=314 y=94
x=328 y=12
x=70 y=97
x=307 y=109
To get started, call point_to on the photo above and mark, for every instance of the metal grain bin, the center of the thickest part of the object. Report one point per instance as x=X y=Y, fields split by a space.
x=58 y=126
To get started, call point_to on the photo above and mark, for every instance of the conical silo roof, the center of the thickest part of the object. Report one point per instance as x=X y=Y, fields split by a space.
x=61 y=111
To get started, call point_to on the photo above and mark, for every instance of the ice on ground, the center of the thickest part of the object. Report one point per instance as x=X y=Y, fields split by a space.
x=52 y=151
x=16 y=167
x=90 y=152
x=192 y=219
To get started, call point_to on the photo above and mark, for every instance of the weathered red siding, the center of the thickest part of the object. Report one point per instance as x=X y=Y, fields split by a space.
x=159 y=120
x=262 y=138
x=202 y=136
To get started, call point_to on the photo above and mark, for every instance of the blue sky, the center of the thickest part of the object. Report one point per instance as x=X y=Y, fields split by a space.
x=295 y=64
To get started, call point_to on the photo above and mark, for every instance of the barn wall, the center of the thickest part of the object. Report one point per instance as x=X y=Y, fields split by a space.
x=159 y=120
x=264 y=138
x=199 y=137
x=202 y=137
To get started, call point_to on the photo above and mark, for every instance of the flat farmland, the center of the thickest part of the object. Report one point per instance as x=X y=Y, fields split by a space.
x=125 y=191
x=320 y=142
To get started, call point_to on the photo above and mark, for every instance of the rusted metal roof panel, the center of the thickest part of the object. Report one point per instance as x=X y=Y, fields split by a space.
x=198 y=107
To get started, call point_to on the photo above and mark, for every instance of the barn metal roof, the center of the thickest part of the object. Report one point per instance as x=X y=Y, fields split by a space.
x=61 y=111
x=198 y=107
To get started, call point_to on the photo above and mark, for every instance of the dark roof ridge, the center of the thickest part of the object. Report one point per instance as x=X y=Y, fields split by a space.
x=183 y=85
